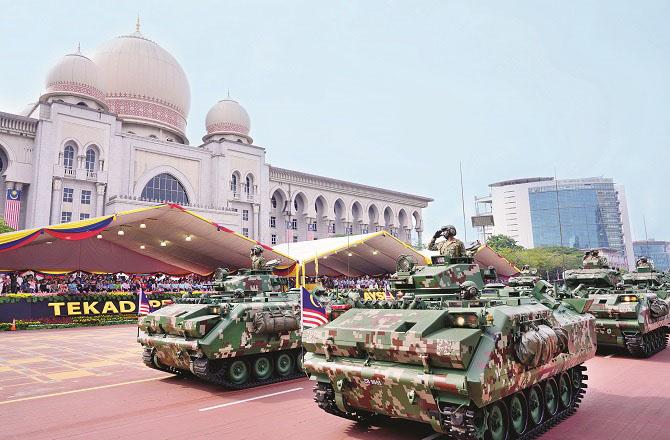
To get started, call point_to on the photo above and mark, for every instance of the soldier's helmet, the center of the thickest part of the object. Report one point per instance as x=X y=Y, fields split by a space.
x=449 y=230
x=257 y=250
x=469 y=290
x=526 y=267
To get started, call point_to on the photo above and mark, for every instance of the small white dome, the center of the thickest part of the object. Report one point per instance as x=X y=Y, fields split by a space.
x=228 y=117
x=75 y=75
x=144 y=83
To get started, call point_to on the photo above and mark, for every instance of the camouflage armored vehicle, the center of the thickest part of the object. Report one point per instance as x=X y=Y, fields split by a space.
x=474 y=366
x=246 y=334
x=631 y=311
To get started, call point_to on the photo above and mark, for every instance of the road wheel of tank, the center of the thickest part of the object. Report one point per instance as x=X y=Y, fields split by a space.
x=565 y=390
x=284 y=364
x=518 y=414
x=551 y=397
x=535 y=405
x=238 y=372
x=262 y=367
x=498 y=422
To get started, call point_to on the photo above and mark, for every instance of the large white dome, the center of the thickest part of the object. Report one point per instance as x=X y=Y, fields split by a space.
x=75 y=75
x=143 y=82
x=228 y=117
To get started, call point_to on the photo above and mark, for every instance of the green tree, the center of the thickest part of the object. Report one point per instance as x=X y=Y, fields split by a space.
x=549 y=261
x=499 y=241
x=4 y=227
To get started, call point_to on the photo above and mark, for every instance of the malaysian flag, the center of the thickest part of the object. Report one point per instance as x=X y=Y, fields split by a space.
x=13 y=208
x=313 y=313
x=143 y=306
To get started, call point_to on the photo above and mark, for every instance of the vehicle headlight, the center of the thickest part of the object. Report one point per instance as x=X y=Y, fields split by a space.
x=469 y=320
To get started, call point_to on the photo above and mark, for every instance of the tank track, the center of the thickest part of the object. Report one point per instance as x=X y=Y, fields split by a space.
x=218 y=373
x=149 y=361
x=647 y=344
x=324 y=396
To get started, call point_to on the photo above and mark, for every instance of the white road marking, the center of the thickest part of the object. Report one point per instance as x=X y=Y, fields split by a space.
x=81 y=390
x=432 y=436
x=609 y=356
x=250 y=399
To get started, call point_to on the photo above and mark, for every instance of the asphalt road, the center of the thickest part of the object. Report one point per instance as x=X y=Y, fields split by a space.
x=90 y=383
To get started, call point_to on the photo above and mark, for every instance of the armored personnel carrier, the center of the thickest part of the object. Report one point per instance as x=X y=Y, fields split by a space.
x=496 y=366
x=631 y=311
x=246 y=334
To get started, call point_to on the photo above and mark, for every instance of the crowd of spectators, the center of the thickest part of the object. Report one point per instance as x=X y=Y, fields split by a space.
x=77 y=283
x=364 y=282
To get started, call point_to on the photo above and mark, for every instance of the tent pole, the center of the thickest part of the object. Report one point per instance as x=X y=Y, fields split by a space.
x=297 y=275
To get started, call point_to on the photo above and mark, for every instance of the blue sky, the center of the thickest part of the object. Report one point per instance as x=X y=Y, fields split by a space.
x=395 y=94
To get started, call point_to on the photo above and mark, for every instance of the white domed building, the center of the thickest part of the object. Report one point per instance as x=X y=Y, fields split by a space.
x=109 y=134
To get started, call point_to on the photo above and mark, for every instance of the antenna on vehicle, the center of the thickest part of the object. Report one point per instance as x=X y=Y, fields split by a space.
x=465 y=230
x=646 y=237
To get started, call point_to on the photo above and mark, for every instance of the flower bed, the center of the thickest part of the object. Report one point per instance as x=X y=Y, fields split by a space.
x=75 y=321
x=93 y=296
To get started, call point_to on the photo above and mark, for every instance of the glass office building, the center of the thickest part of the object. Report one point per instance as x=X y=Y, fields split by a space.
x=587 y=213
x=583 y=214
x=656 y=250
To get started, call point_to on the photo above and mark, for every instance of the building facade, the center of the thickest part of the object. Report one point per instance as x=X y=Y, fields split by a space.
x=108 y=134
x=657 y=251
x=588 y=213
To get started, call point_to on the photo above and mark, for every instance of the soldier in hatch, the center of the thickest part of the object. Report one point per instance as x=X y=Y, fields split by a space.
x=451 y=247
x=257 y=259
x=643 y=263
x=593 y=259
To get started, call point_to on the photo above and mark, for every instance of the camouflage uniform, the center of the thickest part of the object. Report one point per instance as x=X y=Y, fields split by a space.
x=593 y=260
x=257 y=259
x=452 y=247
x=643 y=263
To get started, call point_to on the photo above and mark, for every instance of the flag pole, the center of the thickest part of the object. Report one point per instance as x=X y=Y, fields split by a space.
x=139 y=298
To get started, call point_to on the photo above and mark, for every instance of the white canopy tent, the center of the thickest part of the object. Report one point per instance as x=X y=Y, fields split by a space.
x=352 y=255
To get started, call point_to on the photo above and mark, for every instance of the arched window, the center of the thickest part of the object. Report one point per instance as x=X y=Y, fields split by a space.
x=68 y=157
x=90 y=160
x=165 y=188
x=248 y=185
x=233 y=183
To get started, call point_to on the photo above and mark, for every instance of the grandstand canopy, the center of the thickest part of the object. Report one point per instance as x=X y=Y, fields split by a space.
x=354 y=255
x=159 y=239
